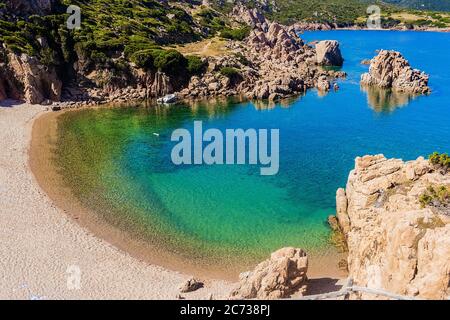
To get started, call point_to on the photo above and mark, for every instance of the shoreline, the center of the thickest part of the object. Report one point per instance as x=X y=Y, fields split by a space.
x=324 y=264
x=40 y=243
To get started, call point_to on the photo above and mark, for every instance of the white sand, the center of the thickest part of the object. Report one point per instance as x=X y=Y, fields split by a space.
x=38 y=242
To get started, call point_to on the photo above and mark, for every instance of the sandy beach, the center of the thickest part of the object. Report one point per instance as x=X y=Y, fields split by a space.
x=46 y=238
x=41 y=248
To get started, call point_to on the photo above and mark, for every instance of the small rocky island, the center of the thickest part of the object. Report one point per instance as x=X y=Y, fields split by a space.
x=390 y=70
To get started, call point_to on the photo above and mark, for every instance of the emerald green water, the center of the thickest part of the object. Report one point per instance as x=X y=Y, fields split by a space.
x=116 y=165
x=117 y=160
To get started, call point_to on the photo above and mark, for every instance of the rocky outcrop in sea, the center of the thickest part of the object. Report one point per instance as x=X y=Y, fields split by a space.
x=328 y=53
x=390 y=70
x=396 y=241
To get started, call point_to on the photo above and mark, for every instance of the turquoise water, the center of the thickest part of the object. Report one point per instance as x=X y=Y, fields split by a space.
x=117 y=161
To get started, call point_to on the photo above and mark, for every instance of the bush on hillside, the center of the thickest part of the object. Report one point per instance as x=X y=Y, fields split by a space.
x=440 y=160
x=195 y=65
x=235 y=34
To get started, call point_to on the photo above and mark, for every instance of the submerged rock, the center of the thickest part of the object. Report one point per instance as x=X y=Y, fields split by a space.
x=278 y=277
x=390 y=70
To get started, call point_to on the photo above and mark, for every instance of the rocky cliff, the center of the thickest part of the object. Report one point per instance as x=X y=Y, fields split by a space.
x=396 y=241
x=390 y=70
x=271 y=63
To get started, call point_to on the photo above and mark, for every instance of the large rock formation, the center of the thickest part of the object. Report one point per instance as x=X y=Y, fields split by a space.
x=390 y=70
x=251 y=17
x=394 y=243
x=278 y=277
x=39 y=82
x=329 y=53
x=275 y=63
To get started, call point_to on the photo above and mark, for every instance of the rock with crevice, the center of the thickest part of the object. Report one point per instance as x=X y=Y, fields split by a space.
x=39 y=82
x=278 y=277
x=394 y=243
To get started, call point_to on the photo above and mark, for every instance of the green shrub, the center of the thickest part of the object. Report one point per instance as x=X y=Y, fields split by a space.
x=99 y=57
x=195 y=65
x=144 y=59
x=440 y=160
x=229 y=72
x=235 y=34
x=134 y=47
x=243 y=59
x=435 y=196
x=170 y=61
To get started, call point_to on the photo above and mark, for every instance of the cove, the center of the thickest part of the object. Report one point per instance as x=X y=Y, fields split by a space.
x=116 y=161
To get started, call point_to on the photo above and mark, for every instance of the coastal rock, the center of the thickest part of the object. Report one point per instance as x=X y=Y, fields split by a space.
x=341 y=210
x=278 y=277
x=329 y=53
x=323 y=84
x=39 y=82
x=394 y=243
x=191 y=285
x=281 y=65
x=390 y=70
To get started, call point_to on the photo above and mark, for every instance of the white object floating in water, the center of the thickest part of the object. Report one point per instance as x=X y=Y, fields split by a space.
x=156 y=134
x=170 y=98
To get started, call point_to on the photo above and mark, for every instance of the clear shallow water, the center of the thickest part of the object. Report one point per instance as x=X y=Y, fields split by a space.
x=117 y=166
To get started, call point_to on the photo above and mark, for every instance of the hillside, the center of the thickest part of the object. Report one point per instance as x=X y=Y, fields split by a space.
x=434 y=5
x=348 y=12
x=120 y=42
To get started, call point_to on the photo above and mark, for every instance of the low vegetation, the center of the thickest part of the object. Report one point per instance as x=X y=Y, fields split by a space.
x=230 y=72
x=441 y=161
x=436 y=196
